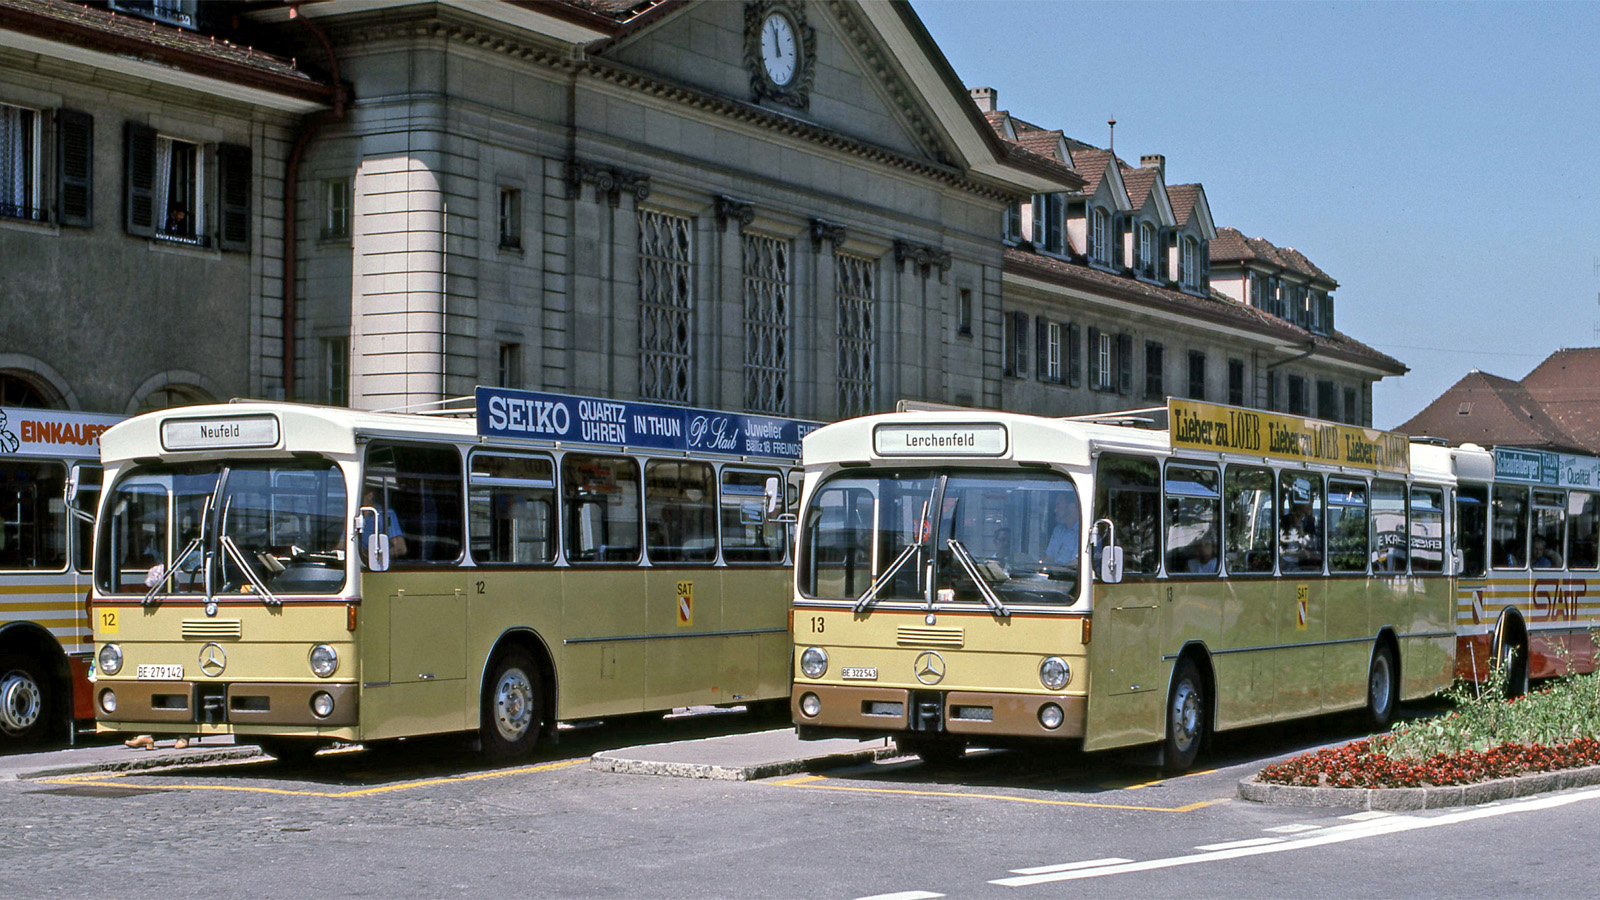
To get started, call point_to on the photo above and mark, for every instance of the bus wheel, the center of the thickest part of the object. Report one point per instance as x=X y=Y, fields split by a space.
x=1186 y=717
x=1382 y=689
x=1513 y=664
x=25 y=702
x=936 y=751
x=511 y=716
x=290 y=751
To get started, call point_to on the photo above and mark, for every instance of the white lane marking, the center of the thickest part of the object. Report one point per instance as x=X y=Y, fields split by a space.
x=1248 y=842
x=1367 y=827
x=1068 y=867
x=904 y=895
x=1365 y=816
x=1293 y=829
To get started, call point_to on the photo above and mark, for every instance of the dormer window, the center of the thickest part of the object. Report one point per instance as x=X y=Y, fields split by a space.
x=1100 y=236
x=1011 y=227
x=1147 y=250
x=1047 y=223
x=1188 y=263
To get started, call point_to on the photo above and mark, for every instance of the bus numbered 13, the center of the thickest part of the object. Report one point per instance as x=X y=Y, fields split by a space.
x=297 y=575
x=973 y=577
x=49 y=480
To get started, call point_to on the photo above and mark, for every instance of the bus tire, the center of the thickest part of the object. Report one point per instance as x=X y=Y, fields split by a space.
x=288 y=750
x=1383 y=689
x=1512 y=659
x=28 y=700
x=512 y=713
x=1186 y=717
x=935 y=751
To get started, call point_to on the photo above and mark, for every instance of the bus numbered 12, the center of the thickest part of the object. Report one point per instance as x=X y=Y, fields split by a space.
x=49 y=480
x=297 y=575
x=979 y=577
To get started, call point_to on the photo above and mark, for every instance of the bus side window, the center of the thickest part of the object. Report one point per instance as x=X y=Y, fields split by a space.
x=1583 y=531
x=749 y=532
x=1427 y=529
x=601 y=495
x=1347 y=525
x=1194 y=520
x=1128 y=492
x=33 y=515
x=1472 y=529
x=511 y=501
x=416 y=490
x=1508 y=546
x=1300 y=531
x=1249 y=520
x=86 y=501
x=679 y=504
x=1549 y=530
x=1390 y=536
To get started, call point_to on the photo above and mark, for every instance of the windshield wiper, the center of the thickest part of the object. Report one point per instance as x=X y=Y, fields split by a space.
x=168 y=572
x=237 y=556
x=871 y=596
x=970 y=566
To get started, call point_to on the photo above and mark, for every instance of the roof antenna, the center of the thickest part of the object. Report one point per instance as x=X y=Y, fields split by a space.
x=1113 y=123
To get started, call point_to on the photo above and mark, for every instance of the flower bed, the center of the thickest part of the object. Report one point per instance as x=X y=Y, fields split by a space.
x=1483 y=738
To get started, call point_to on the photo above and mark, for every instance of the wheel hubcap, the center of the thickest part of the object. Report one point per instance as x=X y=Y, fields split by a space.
x=513 y=705
x=1378 y=686
x=21 y=701
x=1185 y=715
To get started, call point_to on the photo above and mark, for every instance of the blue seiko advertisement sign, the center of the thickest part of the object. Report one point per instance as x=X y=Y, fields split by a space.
x=535 y=415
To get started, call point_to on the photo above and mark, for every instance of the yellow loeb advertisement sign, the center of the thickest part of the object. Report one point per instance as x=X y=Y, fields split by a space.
x=1211 y=426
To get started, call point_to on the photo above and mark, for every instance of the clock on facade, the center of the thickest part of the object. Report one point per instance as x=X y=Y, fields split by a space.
x=779 y=51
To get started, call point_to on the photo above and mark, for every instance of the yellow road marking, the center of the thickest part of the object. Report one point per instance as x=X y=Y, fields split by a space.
x=810 y=781
x=1112 y=785
x=113 y=779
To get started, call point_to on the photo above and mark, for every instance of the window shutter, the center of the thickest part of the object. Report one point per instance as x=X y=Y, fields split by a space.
x=1124 y=363
x=139 y=178
x=1205 y=265
x=1038 y=236
x=1019 y=325
x=1074 y=356
x=1041 y=350
x=233 y=174
x=1094 y=358
x=74 y=168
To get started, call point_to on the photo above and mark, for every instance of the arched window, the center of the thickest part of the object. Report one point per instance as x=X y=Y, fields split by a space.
x=171 y=395
x=17 y=389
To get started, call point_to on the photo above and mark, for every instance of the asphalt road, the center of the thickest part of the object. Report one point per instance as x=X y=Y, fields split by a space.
x=431 y=820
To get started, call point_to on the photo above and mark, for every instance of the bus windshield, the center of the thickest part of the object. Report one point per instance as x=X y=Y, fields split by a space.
x=1021 y=533
x=235 y=529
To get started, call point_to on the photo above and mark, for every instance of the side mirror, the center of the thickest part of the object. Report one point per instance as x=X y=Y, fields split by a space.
x=378 y=552
x=1458 y=562
x=1111 y=565
x=83 y=487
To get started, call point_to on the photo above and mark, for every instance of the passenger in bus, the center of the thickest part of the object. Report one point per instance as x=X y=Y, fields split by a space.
x=1062 y=550
x=391 y=525
x=1543 y=556
x=1204 y=559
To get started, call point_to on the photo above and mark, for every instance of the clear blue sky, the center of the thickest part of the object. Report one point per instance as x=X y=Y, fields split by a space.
x=1441 y=161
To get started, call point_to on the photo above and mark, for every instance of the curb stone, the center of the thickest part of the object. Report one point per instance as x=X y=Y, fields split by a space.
x=1397 y=799
x=145 y=763
x=610 y=762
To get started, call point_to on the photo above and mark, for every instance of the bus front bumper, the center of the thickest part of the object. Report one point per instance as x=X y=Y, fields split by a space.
x=216 y=703
x=973 y=714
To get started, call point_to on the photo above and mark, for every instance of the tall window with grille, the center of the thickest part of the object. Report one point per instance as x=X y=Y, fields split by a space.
x=20 y=165
x=510 y=365
x=666 y=306
x=856 y=292
x=336 y=371
x=1197 y=375
x=766 y=325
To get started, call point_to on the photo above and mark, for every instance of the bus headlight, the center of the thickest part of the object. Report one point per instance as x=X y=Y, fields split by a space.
x=814 y=662
x=1054 y=673
x=110 y=659
x=322 y=704
x=810 y=705
x=324 y=661
x=108 y=700
x=1050 y=716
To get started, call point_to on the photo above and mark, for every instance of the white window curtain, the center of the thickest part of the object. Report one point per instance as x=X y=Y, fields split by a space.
x=163 y=186
x=13 y=160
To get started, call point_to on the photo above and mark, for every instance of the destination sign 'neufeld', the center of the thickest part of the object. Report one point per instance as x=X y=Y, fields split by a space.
x=507 y=413
x=1211 y=426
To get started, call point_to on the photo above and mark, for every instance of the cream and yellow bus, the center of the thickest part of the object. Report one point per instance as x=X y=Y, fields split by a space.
x=297 y=575
x=1529 y=594
x=46 y=456
x=972 y=577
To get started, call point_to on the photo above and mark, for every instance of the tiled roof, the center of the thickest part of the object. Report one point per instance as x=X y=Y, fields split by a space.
x=103 y=30
x=1138 y=182
x=1216 y=307
x=1182 y=198
x=1091 y=164
x=1044 y=143
x=1493 y=411
x=1567 y=387
x=620 y=10
x=1034 y=146
x=1232 y=246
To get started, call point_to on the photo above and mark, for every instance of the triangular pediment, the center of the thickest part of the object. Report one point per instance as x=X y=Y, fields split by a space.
x=848 y=79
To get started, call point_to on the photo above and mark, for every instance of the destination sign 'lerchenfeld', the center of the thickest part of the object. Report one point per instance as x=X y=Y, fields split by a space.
x=1229 y=429
x=507 y=413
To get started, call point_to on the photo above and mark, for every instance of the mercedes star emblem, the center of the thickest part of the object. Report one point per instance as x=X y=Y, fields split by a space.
x=929 y=667
x=213 y=659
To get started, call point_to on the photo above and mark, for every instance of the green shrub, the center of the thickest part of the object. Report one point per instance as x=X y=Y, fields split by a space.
x=1563 y=710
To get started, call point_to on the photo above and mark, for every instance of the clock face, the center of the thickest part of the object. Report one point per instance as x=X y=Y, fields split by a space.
x=779 y=55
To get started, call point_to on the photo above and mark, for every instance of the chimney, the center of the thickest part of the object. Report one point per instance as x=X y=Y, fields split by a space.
x=987 y=98
x=1156 y=160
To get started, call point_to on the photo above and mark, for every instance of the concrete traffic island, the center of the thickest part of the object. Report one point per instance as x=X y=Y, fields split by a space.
x=114 y=757
x=1412 y=798
x=741 y=757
